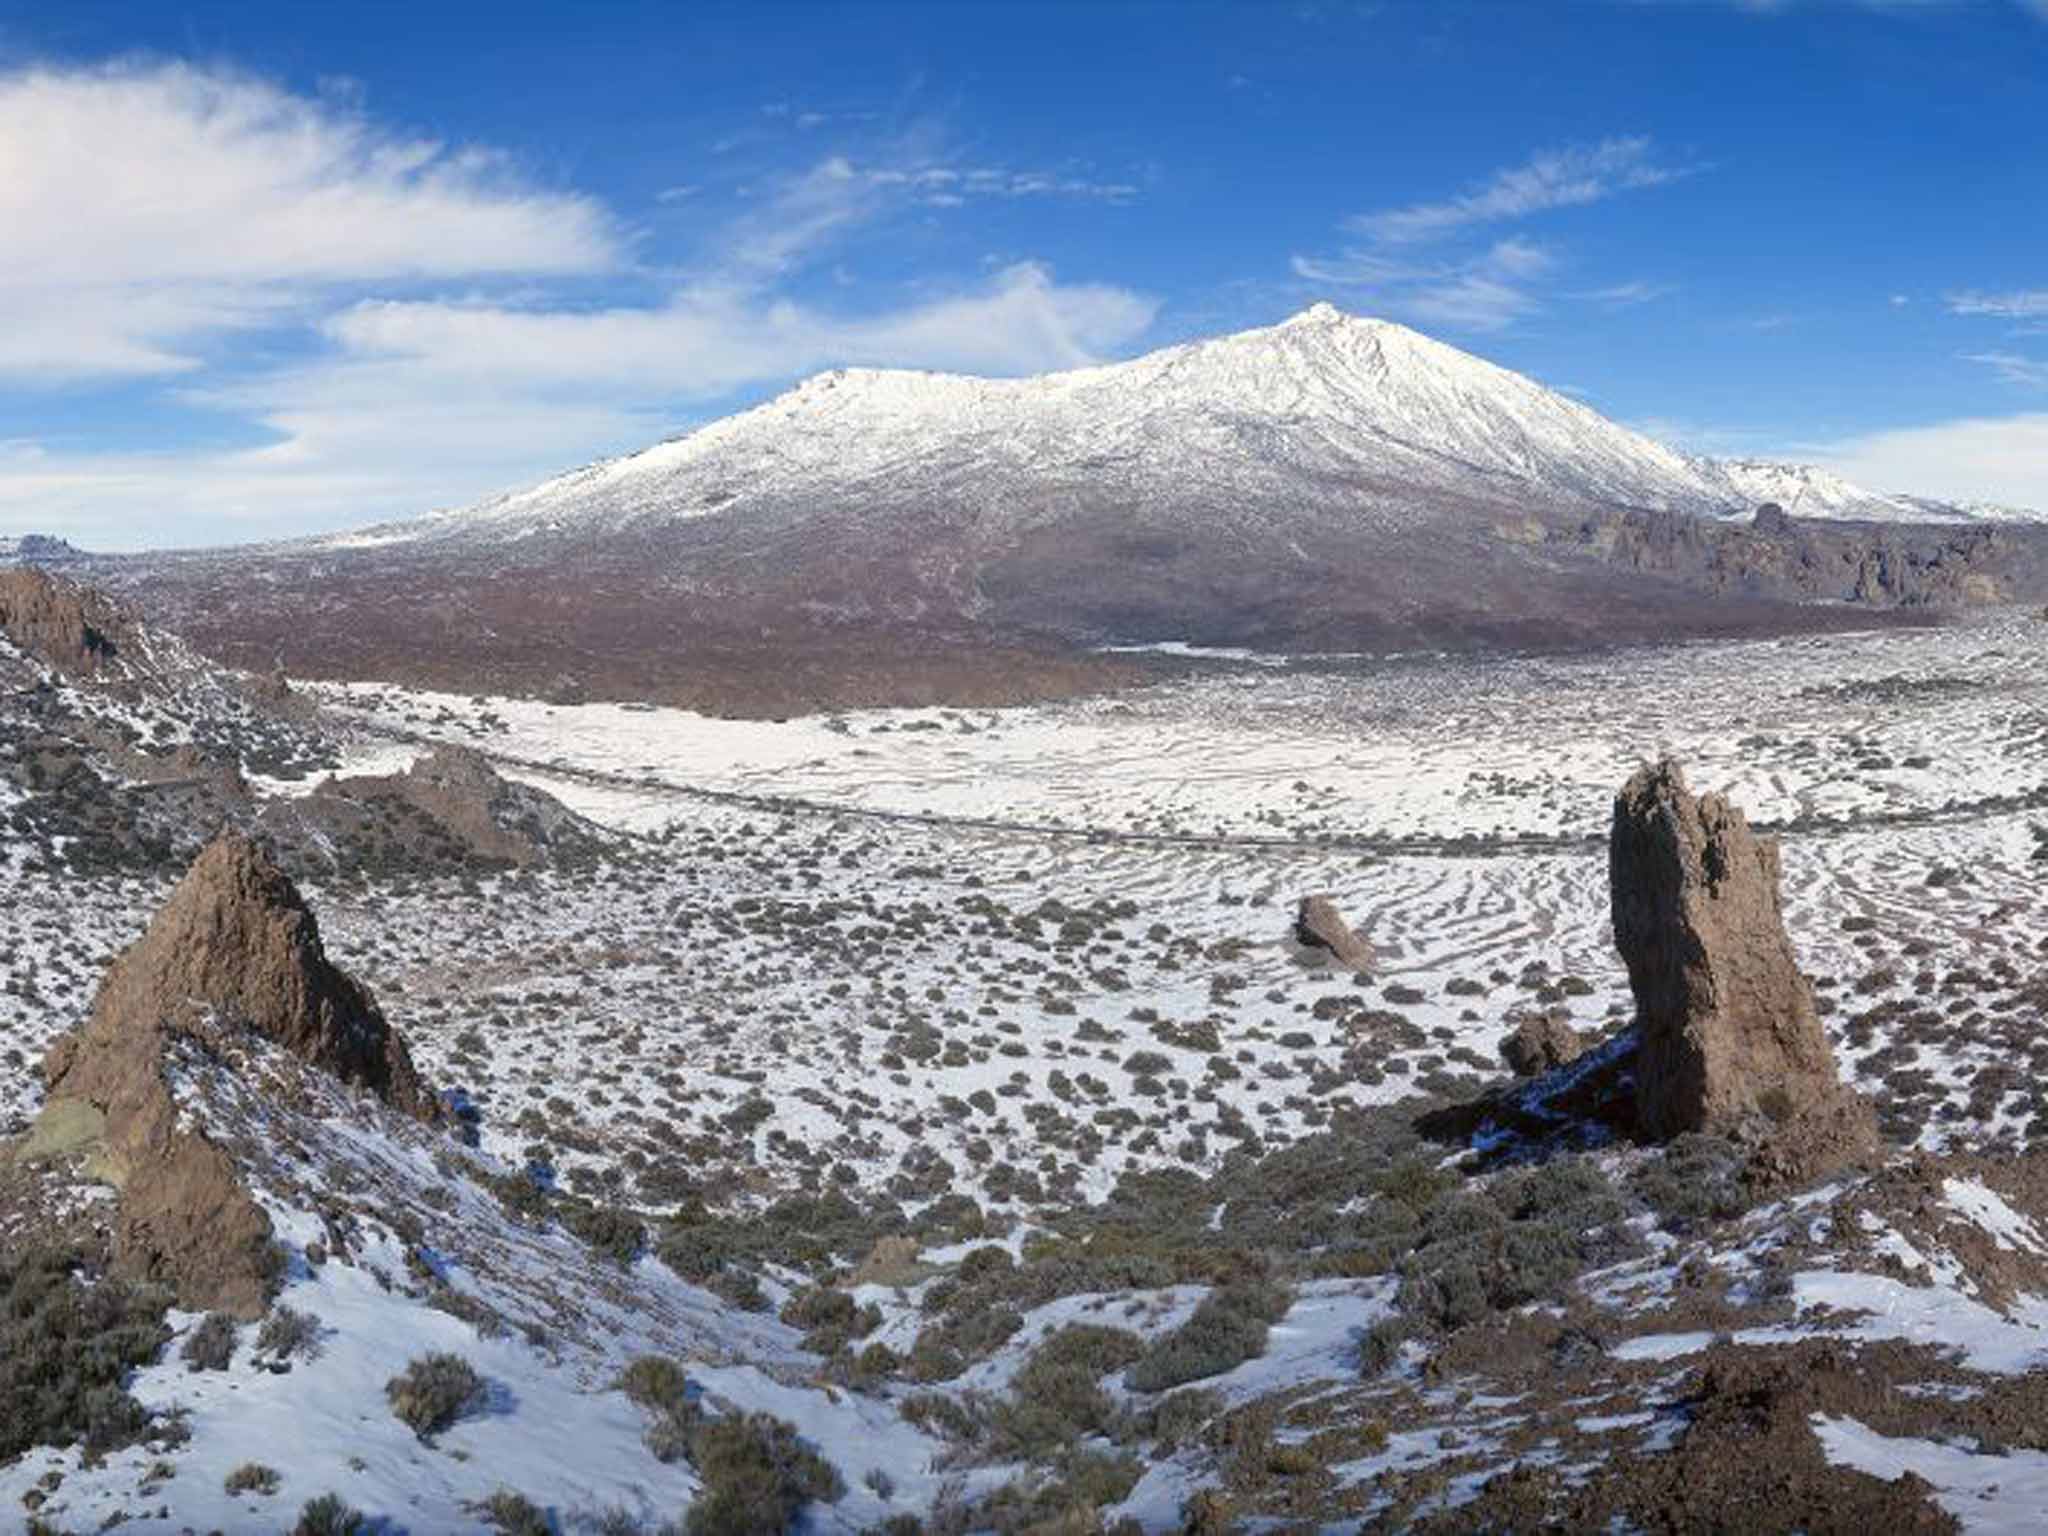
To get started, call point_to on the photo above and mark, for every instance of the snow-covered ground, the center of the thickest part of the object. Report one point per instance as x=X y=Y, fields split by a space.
x=1016 y=954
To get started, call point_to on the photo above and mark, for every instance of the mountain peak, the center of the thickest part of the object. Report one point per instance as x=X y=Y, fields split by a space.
x=1320 y=313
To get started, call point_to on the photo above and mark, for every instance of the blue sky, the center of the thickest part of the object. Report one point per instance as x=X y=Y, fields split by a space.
x=269 y=268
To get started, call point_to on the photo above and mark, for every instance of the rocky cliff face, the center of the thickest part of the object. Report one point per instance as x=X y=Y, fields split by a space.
x=1730 y=1040
x=71 y=628
x=233 y=952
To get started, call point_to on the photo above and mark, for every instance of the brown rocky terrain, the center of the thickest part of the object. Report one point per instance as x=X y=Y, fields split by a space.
x=233 y=953
x=72 y=628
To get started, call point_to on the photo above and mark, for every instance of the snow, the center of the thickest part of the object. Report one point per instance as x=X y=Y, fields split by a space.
x=1991 y=1495
x=1987 y=1208
x=1323 y=399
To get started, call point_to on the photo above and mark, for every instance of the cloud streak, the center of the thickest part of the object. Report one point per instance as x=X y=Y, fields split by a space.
x=1568 y=177
x=2023 y=304
x=2030 y=372
x=1423 y=260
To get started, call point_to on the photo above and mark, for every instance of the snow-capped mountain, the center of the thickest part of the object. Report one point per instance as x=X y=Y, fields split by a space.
x=1329 y=483
x=1324 y=398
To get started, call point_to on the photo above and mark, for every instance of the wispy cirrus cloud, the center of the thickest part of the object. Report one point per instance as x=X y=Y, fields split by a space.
x=1426 y=261
x=1568 y=177
x=2018 y=304
x=1484 y=292
x=2013 y=367
x=1627 y=295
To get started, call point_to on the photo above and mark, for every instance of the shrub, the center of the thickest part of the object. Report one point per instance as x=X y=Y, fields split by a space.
x=1179 y=1417
x=287 y=1333
x=1695 y=1179
x=328 y=1515
x=757 y=1476
x=64 y=1350
x=937 y=1414
x=656 y=1383
x=1228 y=1328
x=606 y=1228
x=513 y=1513
x=820 y=1307
x=1057 y=1396
x=433 y=1392
x=210 y=1346
x=660 y=1385
x=252 y=1477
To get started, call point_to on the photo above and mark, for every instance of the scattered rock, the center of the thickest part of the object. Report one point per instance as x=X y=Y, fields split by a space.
x=1731 y=1042
x=1318 y=925
x=1542 y=1042
x=234 y=950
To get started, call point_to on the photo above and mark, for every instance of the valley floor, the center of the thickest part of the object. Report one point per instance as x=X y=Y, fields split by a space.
x=1023 y=956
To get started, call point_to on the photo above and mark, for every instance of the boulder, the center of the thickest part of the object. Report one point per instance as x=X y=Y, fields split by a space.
x=234 y=951
x=1731 y=1042
x=1318 y=925
x=1541 y=1043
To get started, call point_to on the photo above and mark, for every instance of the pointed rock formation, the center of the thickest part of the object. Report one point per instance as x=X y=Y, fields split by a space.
x=234 y=950
x=1730 y=1039
x=1319 y=925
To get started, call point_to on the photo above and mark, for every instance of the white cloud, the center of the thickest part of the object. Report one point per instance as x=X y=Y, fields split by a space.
x=710 y=341
x=1627 y=295
x=442 y=308
x=1999 y=458
x=1486 y=292
x=2013 y=367
x=1556 y=178
x=439 y=404
x=145 y=207
x=2026 y=304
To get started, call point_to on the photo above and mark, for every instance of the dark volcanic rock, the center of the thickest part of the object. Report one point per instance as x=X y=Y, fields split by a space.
x=1318 y=925
x=234 y=949
x=1730 y=1039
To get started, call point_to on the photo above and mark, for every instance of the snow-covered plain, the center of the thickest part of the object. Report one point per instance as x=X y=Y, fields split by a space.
x=1015 y=954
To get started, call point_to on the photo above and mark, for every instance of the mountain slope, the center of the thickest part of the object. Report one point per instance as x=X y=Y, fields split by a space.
x=1324 y=395
x=1330 y=483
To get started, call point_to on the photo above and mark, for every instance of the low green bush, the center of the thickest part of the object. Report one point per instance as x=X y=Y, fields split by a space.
x=65 y=1350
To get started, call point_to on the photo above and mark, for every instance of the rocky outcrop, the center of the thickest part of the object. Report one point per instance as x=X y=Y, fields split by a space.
x=1541 y=1043
x=71 y=628
x=233 y=952
x=485 y=816
x=1730 y=1039
x=1319 y=926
